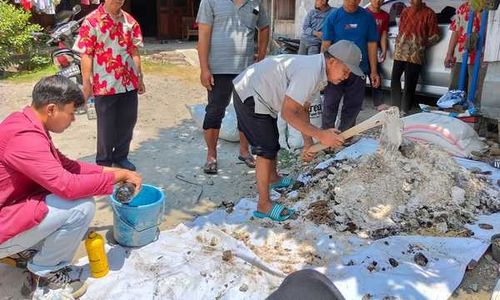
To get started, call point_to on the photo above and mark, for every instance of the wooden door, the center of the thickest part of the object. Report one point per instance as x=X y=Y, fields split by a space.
x=170 y=13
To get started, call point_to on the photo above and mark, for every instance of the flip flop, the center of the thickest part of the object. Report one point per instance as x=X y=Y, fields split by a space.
x=210 y=167
x=275 y=213
x=249 y=161
x=284 y=182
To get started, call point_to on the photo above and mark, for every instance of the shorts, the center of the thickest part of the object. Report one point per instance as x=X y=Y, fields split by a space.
x=261 y=130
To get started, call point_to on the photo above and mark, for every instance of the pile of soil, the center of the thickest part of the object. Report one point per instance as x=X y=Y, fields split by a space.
x=418 y=187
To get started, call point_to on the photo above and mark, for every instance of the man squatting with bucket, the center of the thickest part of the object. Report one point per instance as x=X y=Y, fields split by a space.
x=46 y=202
x=285 y=84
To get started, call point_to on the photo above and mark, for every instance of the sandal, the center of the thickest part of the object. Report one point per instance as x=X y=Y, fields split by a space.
x=275 y=213
x=249 y=160
x=210 y=167
x=284 y=182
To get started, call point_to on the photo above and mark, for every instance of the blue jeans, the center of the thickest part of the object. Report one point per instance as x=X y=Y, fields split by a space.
x=57 y=237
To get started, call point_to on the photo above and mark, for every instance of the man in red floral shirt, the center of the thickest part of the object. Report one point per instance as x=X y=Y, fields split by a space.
x=458 y=38
x=109 y=39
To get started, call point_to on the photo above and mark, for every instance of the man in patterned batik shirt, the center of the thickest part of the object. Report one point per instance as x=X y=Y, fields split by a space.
x=109 y=39
x=418 y=30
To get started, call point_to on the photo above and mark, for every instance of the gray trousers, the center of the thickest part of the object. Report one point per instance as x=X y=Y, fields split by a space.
x=116 y=118
x=307 y=48
x=353 y=91
x=57 y=237
x=306 y=284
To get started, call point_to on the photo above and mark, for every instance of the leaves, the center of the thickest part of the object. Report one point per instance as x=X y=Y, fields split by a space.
x=17 y=45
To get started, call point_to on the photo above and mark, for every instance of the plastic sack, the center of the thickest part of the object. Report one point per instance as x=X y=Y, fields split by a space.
x=451 y=134
x=229 y=128
x=451 y=98
x=294 y=137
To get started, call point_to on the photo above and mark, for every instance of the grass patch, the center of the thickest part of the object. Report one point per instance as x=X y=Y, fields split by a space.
x=29 y=76
x=188 y=73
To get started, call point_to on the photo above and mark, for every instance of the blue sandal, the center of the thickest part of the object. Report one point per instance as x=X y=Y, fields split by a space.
x=275 y=213
x=284 y=182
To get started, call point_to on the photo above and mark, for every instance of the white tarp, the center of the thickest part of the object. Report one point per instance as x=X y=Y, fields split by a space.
x=186 y=262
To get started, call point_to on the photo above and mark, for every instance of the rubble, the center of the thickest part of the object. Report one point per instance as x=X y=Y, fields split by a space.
x=418 y=187
x=420 y=259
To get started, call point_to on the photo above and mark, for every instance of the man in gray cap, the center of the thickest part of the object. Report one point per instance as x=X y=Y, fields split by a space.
x=285 y=84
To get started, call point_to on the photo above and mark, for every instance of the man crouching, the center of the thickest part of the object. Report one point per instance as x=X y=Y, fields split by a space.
x=46 y=200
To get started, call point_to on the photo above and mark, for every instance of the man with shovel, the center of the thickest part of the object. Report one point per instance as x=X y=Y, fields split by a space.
x=46 y=200
x=285 y=84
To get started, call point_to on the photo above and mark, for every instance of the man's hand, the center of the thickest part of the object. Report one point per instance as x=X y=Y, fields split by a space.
x=449 y=61
x=122 y=175
x=382 y=56
x=207 y=79
x=306 y=154
x=87 y=89
x=318 y=34
x=375 y=79
x=142 y=88
x=331 y=138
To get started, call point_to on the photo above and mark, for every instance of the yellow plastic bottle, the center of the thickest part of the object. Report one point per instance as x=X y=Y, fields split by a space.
x=98 y=260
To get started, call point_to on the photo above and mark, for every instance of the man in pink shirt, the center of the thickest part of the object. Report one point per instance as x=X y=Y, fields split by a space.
x=46 y=200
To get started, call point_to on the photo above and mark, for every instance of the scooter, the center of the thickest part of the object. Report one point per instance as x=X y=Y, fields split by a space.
x=63 y=35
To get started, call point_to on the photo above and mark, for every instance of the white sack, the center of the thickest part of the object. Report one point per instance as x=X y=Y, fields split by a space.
x=229 y=128
x=295 y=139
x=453 y=135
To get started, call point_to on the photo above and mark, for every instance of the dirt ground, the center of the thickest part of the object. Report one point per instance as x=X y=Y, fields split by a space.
x=167 y=144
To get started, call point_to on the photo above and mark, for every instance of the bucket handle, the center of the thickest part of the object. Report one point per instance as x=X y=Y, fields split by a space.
x=162 y=217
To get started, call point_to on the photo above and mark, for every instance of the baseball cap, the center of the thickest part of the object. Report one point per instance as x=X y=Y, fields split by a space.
x=349 y=54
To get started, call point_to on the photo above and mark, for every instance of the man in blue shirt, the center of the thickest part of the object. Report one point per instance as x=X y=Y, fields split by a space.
x=350 y=22
x=310 y=41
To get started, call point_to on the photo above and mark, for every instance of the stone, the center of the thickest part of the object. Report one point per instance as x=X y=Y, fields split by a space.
x=457 y=195
x=485 y=226
x=420 y=259
x=227 y=255
x=394 y=263
x=474 y=287
x=243 y=288
x=442 y=227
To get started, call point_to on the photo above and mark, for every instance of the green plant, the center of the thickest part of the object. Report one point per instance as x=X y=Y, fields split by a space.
x=17 y=45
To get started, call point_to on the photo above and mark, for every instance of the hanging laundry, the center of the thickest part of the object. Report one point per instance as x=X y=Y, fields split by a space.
x=27 y=4
x=85 y=2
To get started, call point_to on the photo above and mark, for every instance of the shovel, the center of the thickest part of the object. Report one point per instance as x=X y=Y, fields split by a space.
x=391 y=133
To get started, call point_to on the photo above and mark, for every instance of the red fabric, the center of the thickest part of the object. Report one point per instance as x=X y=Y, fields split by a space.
x=382 y=20
x=31 y=168
x=27 y=4
x=85 y=2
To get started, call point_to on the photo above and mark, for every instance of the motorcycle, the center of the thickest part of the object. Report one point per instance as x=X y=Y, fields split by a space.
x=286 y=45
x=63 y=35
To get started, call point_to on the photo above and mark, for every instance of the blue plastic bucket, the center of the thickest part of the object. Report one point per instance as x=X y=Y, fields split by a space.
x=136 y=224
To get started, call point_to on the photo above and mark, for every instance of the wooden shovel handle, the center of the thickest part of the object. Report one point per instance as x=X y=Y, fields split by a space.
x=372 y=122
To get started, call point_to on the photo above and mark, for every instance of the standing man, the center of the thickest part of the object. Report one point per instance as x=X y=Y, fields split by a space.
x=418 y=30
x=225 y=48
x=350 y=22
x=382 y=19
x=46 y=202
x=454 y=54
x=310 y=41
x=284 y=84
x=109 y=39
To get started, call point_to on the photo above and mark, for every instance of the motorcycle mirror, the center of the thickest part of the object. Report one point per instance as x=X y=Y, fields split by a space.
x=76 y=9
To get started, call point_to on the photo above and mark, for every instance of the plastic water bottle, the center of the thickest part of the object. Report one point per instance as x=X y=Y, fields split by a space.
x=98 y=261
x=91 y=114
x=125 y=192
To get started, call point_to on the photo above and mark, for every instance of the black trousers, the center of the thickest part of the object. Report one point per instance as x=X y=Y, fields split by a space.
x=116 y=118
x=412 y=71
